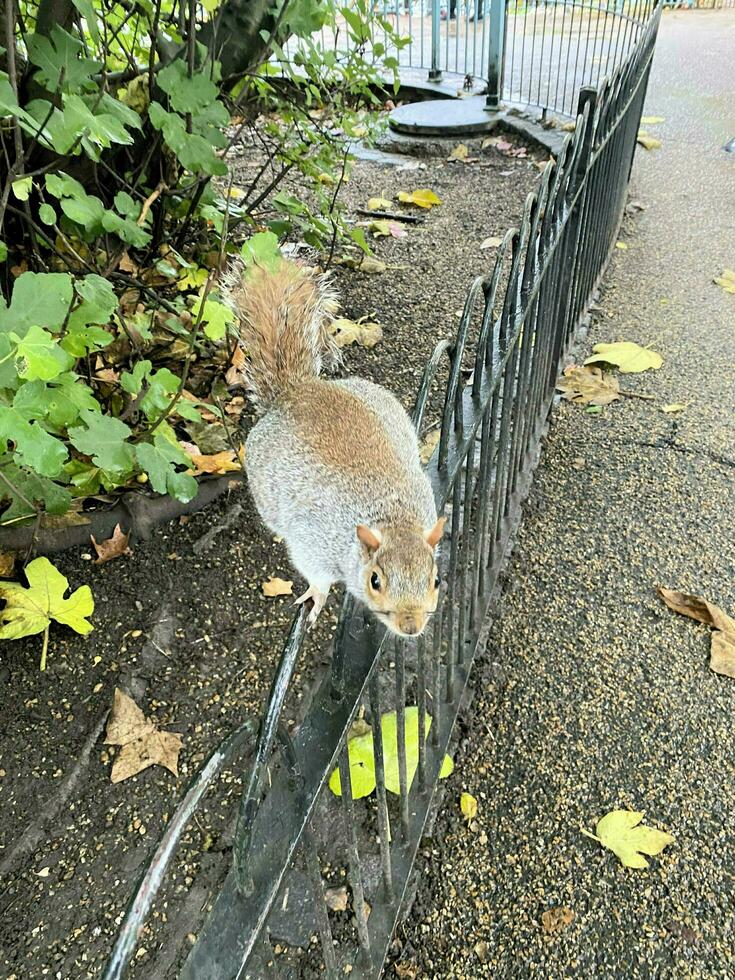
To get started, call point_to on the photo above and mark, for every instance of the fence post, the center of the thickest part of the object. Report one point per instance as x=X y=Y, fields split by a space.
x=435 y=72
x=496 y=54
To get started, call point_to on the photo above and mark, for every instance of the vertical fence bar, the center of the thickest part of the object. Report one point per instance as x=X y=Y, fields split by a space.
x=401 y=735
x=353 y=854
x=383 y=816
x=496 y=54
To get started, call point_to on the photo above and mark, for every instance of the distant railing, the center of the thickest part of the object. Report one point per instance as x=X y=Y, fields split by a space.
x=517 y=327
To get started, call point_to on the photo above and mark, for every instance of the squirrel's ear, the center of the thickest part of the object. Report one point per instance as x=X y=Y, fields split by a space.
x=434 y=536
x=369 y=538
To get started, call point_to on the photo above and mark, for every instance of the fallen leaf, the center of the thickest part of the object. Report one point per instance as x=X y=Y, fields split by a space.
x=594 y=409
x=648 y=142
x=579 y=462
x=673 y=407
x=652 y=120
x=568 y=127
x=142 y=744
x=7 y=563
x=336 y=898
x=556 y=919
x=503 y=145
x=379 y=204
x=114 y=547
x=422 y=198
x=460 y=152
x=492 y=242
x=726 y=281
x=406 y=970
x=481 y=951
x=621 y=245
x=468 y=806
x=362 y=332
x=722 y=646
x=621 y=832
x=588 y=386
x=30 y=610
x=360 y=754
x=629 y=357
x=234 y=375
x=277 y=586
x=43 y=873
x=223 y=462
x=387 y=229
x=427 y=447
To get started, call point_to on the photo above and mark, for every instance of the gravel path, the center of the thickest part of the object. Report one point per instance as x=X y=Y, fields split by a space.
x=593 y=695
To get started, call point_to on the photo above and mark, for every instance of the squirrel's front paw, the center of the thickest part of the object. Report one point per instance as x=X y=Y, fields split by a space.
x=318 y=598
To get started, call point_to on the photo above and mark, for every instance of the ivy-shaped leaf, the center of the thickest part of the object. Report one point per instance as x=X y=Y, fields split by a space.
x=60 y=62
x=39 y=356
x=53 y=498
x=186 y=94
x=215 y=317
x=103 y=438
x=159 y=461
x=34 y=446
x=39 y=299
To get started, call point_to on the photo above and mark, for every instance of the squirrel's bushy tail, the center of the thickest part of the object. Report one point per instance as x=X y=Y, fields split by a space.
x=285 y=314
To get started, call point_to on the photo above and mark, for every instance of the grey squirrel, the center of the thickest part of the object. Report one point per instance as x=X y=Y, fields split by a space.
x=333 y=465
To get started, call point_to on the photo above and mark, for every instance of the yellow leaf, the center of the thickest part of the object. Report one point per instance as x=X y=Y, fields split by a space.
x=7 y=562
x=462 y=154
x=326 y=179
x=427 y=447
x=276 y=586
x=629 y=357
x=588 y=386
x=568 y=127
x=621 y=245
x=652 y=120
x=468 y=806
x=649 y=142
x=621 y=832
x=142 y=744
x=361 y=332
x=422 y=198
x=492 y=242
x=221 y=463
x=726 y=281
x=674 y=407
x=363 y=263
x=379 y=204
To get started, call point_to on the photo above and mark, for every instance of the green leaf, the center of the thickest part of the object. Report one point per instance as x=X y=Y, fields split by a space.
x=86 y=9
x=34 y=447
x=47 y=214
x=98 y=304
x=39 y=299
x=215 y=318
x=159 y=461
x=262 y=249
x=39 y=355
x=193 y=150
x=186 y=94
x=67 y=397
x=132 y=381
x=31 y=610
x=22 y=188
x=53 y=498
x=103 y=438
x=60 y=62
x=3 y=251
x=621 y=832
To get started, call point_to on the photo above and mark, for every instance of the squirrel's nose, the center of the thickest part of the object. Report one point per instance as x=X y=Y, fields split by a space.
x=410 y=624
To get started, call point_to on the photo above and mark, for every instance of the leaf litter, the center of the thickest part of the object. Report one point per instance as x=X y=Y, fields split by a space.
x=421 y=198
x=276 y=586
x=722 y=647
x=629 y=357
x=141 y=743
x=114 y=547
x=726 y=280
x=621 y=832
x=555 y=919
x=362 y=332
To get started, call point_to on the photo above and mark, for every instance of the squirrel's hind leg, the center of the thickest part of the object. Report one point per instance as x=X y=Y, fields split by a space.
x=318 y=593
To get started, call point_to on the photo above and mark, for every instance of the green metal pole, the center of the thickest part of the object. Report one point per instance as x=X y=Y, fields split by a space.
x=496 y=54
x=435 y=72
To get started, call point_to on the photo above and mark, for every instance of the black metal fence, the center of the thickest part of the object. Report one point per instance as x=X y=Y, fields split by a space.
x=515 y=332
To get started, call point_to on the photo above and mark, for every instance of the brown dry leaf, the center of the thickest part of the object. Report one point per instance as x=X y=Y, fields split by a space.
x=221 y=463
x=126 y=264
x=362 y=263
x=406 y=970
x=556 y=919
x=277 y=586
x=7 y=563
x=362 y=332
x=114 y=547
x=336 y=898
x=481 y=951
x=568 y=127
x=234 y=374
x=142 y=744
x=588 y=386
x=722 y=647
x=427 y=447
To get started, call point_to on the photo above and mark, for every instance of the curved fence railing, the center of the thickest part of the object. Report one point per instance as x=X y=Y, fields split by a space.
x=536 y=53
x=294 y=835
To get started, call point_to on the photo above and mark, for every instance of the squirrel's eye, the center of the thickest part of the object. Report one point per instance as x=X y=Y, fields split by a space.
x=375 y=582
x=437 y=581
